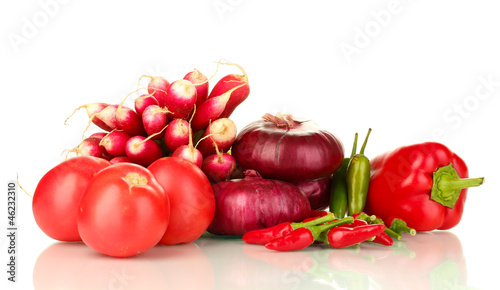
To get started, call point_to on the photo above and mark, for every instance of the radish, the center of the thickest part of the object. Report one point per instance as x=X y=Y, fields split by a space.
x=89 y=147
x=129 y=121
x=189 y=152
x=211 y=110
x=218 y=167
x=223 y=133
x=142 y=151
x=98 y=135
x=107 y=116
x=201 y=84
x=93 y=109
x=119 y=159
x=115 y=141
x=229 y=82
x=181 y=99
x=158 y=88
x=154 y=120
x=177 y=134
x=143 y=102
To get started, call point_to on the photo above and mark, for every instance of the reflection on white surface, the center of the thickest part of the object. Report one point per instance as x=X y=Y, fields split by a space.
x=432 y=260
x=75 y=266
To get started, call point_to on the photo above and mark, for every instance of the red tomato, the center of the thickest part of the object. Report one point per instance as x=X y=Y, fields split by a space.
x=55 y=201
x=123 y=211
x=192 y=202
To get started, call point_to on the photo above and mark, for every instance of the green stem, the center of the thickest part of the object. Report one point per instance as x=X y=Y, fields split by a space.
x=321 y=220
x=325 y=227
x=453 y=184
x=400 y=226
x=317 y=230
x=387 y=230
x=447 y=185
x=354 y=145
x=366 y=141
x=393 y=234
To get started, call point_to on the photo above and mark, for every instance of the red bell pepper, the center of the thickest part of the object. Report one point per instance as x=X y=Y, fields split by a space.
x=421 y=184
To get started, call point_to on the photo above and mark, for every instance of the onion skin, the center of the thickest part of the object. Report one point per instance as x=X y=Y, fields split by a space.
x=285 y=149
x=252 y=203
x=317 y=191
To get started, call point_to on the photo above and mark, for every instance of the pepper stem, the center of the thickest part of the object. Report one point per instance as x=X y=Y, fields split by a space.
x=354 y=145
x=366 y=141
x=317 y=230
x=321 y=220
x=399 y=226
x=387 y=230
x=447 y=185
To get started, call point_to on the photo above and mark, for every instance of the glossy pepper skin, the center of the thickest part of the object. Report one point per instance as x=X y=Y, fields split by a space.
x=358 y=179
x=341 y=237
x=303 y=237
x=421 y=184
x=338 y=190
x=264 y=236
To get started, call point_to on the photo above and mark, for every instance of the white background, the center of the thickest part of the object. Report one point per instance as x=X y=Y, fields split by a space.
x=411 y=70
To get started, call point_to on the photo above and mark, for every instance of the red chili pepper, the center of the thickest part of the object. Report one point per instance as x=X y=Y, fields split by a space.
x=341 y=237
x=303 y=237
x=364 y=216
x=318 y=213
x=383 y=239
x=264 y=236
x=298 y=239
x=355 y=223
x=421 y=184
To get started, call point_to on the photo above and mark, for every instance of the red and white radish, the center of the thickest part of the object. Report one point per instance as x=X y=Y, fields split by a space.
x=218 y=167
x=181 y=98
x=223 y=134
x=200 y=82
x=120 y=159
x=143 y=102
x=107 y=116
x=158 y=88
x=154 y=120
x=189 y=152
x=210 y=110
x=143 y=151
x=98 y=135
x=229 y=82
x=89 y=147
x=92 y=109
x=115 y=141
x=177 y=134
x=129 y=121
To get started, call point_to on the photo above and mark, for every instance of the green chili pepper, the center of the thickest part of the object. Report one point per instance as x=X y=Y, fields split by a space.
x=338 y=192
x=358 y=180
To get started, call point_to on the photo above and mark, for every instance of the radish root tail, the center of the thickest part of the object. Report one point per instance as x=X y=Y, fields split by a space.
x=244 y=77
x=18 y=184
x=66 y=121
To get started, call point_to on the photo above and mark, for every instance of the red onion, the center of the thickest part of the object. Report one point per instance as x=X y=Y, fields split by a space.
x=251 y=203
x=280 y=147
x=317 y=191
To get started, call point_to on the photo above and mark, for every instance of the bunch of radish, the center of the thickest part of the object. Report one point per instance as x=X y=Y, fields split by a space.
x=183 y=119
